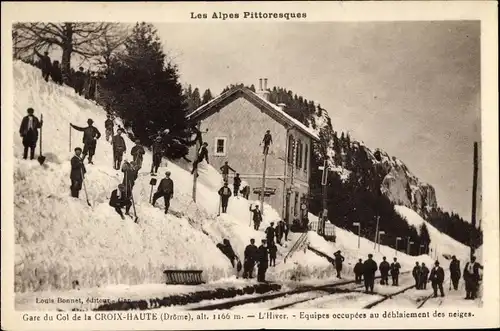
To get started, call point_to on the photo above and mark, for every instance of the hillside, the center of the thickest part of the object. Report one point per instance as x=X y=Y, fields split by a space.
x=60 y=239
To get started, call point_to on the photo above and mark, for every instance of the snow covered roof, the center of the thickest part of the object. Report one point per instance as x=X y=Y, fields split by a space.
x=204 y=110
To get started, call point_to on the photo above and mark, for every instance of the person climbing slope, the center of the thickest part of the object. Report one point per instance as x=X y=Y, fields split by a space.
x=90 y=136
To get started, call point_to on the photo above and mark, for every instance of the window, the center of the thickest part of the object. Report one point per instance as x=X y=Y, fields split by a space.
x=291 y=146
x=306 y=157
x=220 y=146
x=298 y=159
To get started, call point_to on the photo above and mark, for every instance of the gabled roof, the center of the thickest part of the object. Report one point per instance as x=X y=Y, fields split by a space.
x=271 y=109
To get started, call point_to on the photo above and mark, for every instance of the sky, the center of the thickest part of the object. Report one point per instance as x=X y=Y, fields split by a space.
x=409 y=88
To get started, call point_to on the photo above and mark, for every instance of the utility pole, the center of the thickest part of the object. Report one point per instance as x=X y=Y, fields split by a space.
x=324 y=182
x=376 y=234
x=263 y=185
x=358 y=224
x=195 y=174
x=474 y=198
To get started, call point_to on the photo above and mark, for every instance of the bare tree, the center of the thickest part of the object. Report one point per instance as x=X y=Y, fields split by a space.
x=112 y=43
x=84 y=39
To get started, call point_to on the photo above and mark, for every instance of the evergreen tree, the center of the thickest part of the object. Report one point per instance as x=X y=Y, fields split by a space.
x=425 y=238
x=207 y=96
x=145 y=90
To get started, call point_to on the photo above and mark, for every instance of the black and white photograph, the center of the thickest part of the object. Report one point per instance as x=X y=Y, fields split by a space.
x=237 y=161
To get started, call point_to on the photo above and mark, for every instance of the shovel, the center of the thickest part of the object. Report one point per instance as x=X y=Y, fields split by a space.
x=41 y=158
x=152 y=182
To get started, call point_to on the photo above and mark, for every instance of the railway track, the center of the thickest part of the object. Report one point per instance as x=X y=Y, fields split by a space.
x=324 y=290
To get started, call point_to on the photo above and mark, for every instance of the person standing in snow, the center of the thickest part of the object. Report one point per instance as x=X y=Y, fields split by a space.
x=339 y=259
x=119 y=148
x=225 y=193
x=268 y=140
x=257 y=217
x=358 y=271
x=56 y=74
x=165 y=190
x=384 y=268
x=236 y=184
x=202 y=155
x=90 y=136
x=77 y=173
x=272 y=255
x=262 y=258
x=437 y=279
x=45 y=64
x=417 y=275
x=455 y=272
x=250 y=259
x=395 y=266
x=109 y=126
x=225 y=171
x=245 y=192
x=287 y=229
x=424 y=274
x=369 y=270
x=270 y=232
x=120 y=199
x=157 y=156
x=78 y=81
x=137 y=153
x=129 y=176
x=280 y=229
x=472 y=278
x=29 y=132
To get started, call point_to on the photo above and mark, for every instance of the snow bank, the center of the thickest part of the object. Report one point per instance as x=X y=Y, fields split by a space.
x=444 y=244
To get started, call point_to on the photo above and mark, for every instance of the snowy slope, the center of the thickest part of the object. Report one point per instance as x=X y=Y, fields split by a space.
x=60 y=239
x=440 y=241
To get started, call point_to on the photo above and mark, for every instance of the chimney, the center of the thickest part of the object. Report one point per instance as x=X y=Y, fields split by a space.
x=282 y=106
x=265 y=84
x=260 y=84
x=263 y=92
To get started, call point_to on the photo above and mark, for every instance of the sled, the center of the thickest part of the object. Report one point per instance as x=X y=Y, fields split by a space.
x=183 y=277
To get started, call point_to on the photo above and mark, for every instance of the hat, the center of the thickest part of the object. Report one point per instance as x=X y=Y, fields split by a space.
x=205 y=144
x=167 y=173
x=120 y=186
x=78 y=149
x=370 y=255
x=90 y=121
x=436 y=263
x=263 y=240
x=31 y=110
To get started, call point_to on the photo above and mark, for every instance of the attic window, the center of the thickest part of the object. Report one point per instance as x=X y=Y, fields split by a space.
x=220 y=146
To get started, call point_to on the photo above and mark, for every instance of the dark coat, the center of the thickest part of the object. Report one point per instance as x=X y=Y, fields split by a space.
x=118 y=200
x=417 y=272
x=257 y=215
x=437 y=275
x=203 y=154
x=119 y=144
x=338 y=260
x=262 y=256
x=280 y=229
x=77 y=167
x=384 y=267
x=108 y=124
x=474 y=276
x=358 y=268
x=424 y=273
x=267 y=139
x=270 y=232
x=395 y=266
x=225 y=169
x=455 y=268
x=79 y=79
x=90 y=133
x=369 y=268
x=157 y=148
x=138 y=152
x=130 y=174
x=225 y=192
x=56 y=74
x=45 y=63
x=228 y=251
x=166 y=185
x=251 y=253
x=23 y=129
x=237 y=181
x=272 y=251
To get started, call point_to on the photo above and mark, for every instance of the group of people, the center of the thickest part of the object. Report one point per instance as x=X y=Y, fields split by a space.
x=471 y=276
x=49 y=68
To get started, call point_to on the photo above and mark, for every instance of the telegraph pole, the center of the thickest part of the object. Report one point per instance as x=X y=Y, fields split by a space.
x=263 y=185
x=474 y=198
x=358 y=224
x=324 y=182
x=376 y=234
x=195 y=174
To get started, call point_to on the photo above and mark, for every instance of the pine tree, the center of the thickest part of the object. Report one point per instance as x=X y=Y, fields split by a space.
x=146 y=91
x=207 y=96
x=196 y=98
x=425 y=238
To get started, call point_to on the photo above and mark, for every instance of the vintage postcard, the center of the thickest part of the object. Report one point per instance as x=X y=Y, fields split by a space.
x=240 y=165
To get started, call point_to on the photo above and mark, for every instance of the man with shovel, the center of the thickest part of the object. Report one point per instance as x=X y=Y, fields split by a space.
x=29 y=132
x=165 y=190
x=77 y=173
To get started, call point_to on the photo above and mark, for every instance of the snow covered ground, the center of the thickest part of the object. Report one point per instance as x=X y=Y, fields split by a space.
x=60 y=239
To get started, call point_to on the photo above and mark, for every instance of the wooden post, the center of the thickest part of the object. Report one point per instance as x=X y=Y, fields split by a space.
x=263 y=185
x=474 y=198
x=195 y=174
x=376 y=234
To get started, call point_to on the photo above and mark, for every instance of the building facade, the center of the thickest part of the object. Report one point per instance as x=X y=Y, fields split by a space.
x=235 y=124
